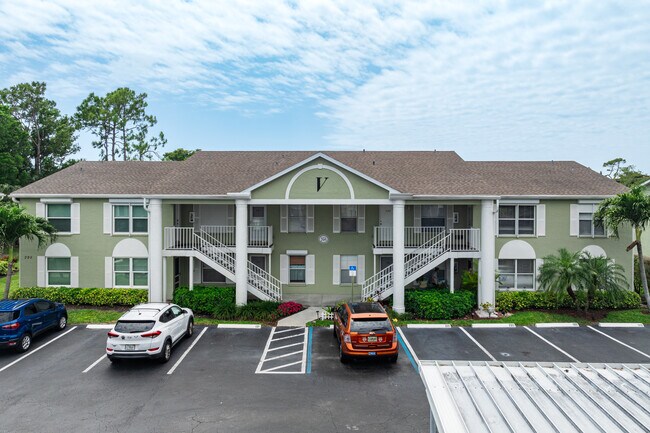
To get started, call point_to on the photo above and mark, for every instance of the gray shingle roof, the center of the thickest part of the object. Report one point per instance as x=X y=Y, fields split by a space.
x=435 y=173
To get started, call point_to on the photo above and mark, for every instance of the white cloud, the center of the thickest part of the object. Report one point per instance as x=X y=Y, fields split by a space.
x=488 y=78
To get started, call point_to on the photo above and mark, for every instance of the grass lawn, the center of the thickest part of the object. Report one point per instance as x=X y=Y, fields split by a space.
x=89 y=315
x=636 y=315
x=14 y=283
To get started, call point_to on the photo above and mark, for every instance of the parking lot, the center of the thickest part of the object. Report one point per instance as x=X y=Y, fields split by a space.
x=268 y=379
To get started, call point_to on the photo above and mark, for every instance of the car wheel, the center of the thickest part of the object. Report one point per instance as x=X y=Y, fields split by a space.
x=190 y=328
x=342 y=356
x=25 y=343
x=166 y=353
x=63 y=322
x=393 y=359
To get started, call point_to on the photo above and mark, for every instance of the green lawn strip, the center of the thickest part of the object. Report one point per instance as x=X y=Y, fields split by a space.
x=12 y=287
x=636 y=315
x=88 y=315
x=320 y=323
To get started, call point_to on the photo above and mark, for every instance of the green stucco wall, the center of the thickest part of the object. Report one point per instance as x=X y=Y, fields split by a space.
x=305 y=185
x=91 y=245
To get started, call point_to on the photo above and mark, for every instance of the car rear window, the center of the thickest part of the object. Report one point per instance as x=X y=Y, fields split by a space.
x=8 y=316
x=131 y=327
x=370 y=325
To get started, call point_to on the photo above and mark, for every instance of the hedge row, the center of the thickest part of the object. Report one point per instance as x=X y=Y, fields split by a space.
x=75 y=296
x=513 y=301
x=204 y=299
x=439 y=304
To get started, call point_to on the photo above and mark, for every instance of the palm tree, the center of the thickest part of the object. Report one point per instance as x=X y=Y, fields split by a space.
x=633 y=208
x=16 y=223
x=561 y=273
x=601 y=274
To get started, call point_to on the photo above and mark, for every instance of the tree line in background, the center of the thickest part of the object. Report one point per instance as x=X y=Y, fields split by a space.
x=36 y=139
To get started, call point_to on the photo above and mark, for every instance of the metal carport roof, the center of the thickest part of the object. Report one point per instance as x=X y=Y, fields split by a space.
x=537 y=397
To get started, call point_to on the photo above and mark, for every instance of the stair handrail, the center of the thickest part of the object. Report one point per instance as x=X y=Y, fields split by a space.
x=429 y=254
x=216 y=250
x=374 y=285
x=272 y=287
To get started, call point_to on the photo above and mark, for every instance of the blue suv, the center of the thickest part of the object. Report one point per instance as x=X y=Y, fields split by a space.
x=23 y=319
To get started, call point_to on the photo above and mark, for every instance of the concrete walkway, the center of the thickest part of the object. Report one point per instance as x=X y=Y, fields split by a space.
x=301 y=319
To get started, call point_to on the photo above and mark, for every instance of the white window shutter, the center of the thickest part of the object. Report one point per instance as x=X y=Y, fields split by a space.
x=336 y=219
x=75 y=221
x=361 y=219
x=284 y=268
x=40 y=271
x=108 y=272
x=310 y=269
x=361 y=269
x=417 y=217
x=284 y=219
x=74 y=271
x=573 y=226
x=336 y=270
x=541 y=220
x=40 y=210
x=108 y=219
x=310 y=218
x=230 y=217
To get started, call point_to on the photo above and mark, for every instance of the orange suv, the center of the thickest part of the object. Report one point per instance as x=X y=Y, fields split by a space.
x=364 y=330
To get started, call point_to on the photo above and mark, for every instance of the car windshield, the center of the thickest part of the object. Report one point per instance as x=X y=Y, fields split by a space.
x=131 y=327
x=370 y=325
x=8 y=316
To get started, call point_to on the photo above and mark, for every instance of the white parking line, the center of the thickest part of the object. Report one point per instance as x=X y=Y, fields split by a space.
x=478 y=344
x=94 y=363
x=408 y=346
x=552 y=345
x=37 y=349
x=273 y=339
x=284 y=347
x=291 y=336
x=285 y=330
x=198 y=337
x=620 y=342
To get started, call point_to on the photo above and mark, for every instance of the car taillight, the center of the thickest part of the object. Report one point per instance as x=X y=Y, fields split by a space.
x=113 y=334
x=12 y=326
x=346 y=338
x=153 y=334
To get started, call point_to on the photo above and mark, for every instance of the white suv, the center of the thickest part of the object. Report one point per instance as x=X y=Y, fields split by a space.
x=149 y=331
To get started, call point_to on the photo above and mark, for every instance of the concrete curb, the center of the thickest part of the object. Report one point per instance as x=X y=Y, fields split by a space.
x=557 y=325
x=620 y=325
x=428 y=325
x=493 y=325
x=238 y=326
x=99 y=326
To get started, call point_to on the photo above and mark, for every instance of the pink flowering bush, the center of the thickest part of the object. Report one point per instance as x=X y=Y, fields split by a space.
x=289 y=308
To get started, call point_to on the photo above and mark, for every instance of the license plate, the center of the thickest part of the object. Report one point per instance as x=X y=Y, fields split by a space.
x=129 y=347
x=372 y=339
x=372 y=353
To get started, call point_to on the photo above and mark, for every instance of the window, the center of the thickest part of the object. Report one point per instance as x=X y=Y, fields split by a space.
x=346 y=262
x=385 y=261
x=517 y=274
x=586 y=224
x=209 y=275
x=297 y=269
x=133 y=327
x=59 y=215
x=433 y=215
x=166 y=316
x=258 y=215
x=297 y=218
x=29 y=310
x=517 y=220
x=130 y=218
x=44 y=306
x=58 y=271
x=349 y=218
x=177 y=311
x=130 y=272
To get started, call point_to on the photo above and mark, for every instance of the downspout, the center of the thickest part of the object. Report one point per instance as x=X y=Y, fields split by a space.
x=145 y=204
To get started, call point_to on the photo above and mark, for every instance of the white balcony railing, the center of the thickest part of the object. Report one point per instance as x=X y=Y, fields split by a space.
x=413 y=236
x=258 y=236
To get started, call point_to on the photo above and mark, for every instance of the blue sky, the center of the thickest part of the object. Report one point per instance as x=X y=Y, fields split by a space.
x=492 y=80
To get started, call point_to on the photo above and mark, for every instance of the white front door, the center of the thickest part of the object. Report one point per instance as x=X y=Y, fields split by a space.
x=385 y=235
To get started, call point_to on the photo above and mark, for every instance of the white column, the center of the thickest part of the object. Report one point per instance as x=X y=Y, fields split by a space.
x=241 y=251
x=486 y=266
x=191 y=279
x=156 y=289
x=398 y=256
x=452 y=276
x=164 y=278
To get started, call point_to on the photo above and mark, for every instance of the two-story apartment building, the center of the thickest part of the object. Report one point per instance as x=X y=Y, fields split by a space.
x=289 y=225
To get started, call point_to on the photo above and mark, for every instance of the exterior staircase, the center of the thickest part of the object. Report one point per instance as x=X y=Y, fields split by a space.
x=426 y=257
x=220 y=257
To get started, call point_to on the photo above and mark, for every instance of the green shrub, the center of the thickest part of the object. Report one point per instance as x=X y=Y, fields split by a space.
x=439 y=304
x=85 y=296
x=203 y=299
x=532 y=300
x=258 y=310
x=3 y=267
x=469 y=280
x=225 y=311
